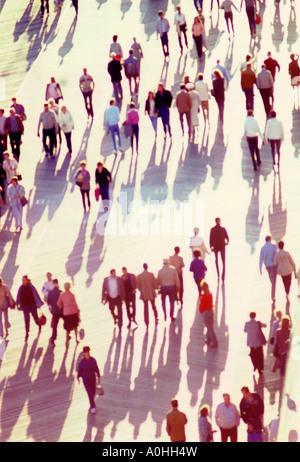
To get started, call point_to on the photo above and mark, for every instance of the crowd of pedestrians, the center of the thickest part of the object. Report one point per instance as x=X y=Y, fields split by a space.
x=167 y=282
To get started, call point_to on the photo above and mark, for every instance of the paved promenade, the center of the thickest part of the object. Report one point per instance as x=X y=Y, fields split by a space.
x=191 y=184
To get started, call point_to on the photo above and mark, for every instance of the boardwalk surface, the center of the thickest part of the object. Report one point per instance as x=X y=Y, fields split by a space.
x=40 y=399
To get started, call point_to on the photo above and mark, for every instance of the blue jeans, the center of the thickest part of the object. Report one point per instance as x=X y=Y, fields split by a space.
x=135 y=133
x=165 y=43
x=114 y=130
x=26 y=311
x=198 y=4
x=17 y=211
x=154 y=122
x=164 y=113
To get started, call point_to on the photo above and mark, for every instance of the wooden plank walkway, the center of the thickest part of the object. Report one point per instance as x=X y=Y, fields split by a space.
x=39 y=396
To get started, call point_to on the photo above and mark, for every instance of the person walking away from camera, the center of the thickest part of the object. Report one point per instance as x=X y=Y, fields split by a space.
x=6 y=302
x=83 y=179
x=52 y=299
x=267 y=257
x=15 y=192
x=28 y=301
x=70 y=311
x=176 y=421
x=255 y=341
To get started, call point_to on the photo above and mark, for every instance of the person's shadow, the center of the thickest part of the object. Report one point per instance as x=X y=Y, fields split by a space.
x=68 y=43
x=74 y=262
x=217 y=155
x=24 y=21
x=292 y=35
x=253 y=220
x=296 y=132
x=278 y=29
x=96 y=254
x=277 y=213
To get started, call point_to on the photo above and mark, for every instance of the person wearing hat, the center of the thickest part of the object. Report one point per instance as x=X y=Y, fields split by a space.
x=83 y=179
x=169 y=285
x=88 y=371
x=28 y=301
x=15 y=192
x=50 y=127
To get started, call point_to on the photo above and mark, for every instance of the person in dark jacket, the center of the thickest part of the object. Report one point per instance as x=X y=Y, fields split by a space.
x=28 y=301
x=14 y=128
x=252 y=411
x=218 y=240
x=129 y=281
x=83 y=179
x=88 y=370
x=102 y=179
x=114 y=69
x=56 y=312
x=219 y=92
x=163 y=101
x=198 y=269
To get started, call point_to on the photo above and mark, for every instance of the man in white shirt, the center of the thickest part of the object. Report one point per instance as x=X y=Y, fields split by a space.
x=48 y=285
x=197 y=243
x=203 y=91
x=87 y=85
x=228 y=419
x=274 y=135
x=113 y=292
x=252 y=132
x=111 y=123
x=181 y=28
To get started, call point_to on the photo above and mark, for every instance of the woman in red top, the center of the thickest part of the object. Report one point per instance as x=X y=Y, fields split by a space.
x=206 y=310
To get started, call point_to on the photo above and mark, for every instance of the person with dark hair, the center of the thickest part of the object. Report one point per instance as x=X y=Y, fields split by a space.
x=176 y=421
x=133 y=119
x=218 y=240
x=75 y=4
x=129 y=281
x=55 y=311
x=163 y=101
x=177 y=261
x=28 y=301
x=169 y=285
x=162 y=29
x=102 y=179
x=252 y=132
x=50 y=127
x=274 y=135
x=131 y=71
x=14 y=128
x=282 y=343
x=252 y=411
x=251 y=8
x=181 y=27
x=151 y=110
x=267 y=256
x=271 y=65
x=198 y=268
x=147 y=285
x=53 y=90
x=6 y=302
x=114 y=68
x=227 y=6
x=88 y=371
x=204 y=425
x=255 y=341
x=113 y=292
x=285 y=267
x=115 y=47
x=87 y=86
x=219 y=92
x=206 y=310
x=265 y=84
x=248 y=79
x=83 y=179
x=184 y=106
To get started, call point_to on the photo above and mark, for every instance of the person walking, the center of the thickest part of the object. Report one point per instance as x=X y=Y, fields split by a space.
x=151 y=111
x=83 y=179
x=19 y=109
x=267 y=257
x=162 y=29
x=227 y=6
x=265 y=84
x=3 y=132
x=131 y=71
x=113 y=292
x=163 y=101
x=44 y=4
x=218 y=240
x=176 y=421
x=177 y=261
x=111 y=124
x=204 y=425
x=181 y=28
x=88 y=371
x=133 y=119
x=168 y=283
x=198 y=268
x=198 y=4
x=223 y=72
x=195 y=109
x=282 y=344
x=252 y=412
x=53 y=90
x=138 y=54
x=50 y=127
x=251 y=8
x=116 y=48
x=285 y=267
x=252 y=132
x=10 y=166
x=55 y=108
x=75 y=4
x=255 y=341
x=184 y=106
x=274 y=135
x=228 y=419
x=197 y=243
x=66 y=123
x=219 y=92
x=48 y=285
x=206 y=310
x=248 y=80
x=272 y=65
x=28 y=301
x=52 y=299
x=129 y=282
x=197 y=32
x=203 y=91
x=87 y=86
x=6 y=302
x=114 y=68
x=70 y=311
x=15 y=129
x=15 y=194
x=147 y=285
x=102 y=179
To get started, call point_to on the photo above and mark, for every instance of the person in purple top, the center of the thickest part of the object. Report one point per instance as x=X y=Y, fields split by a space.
x=198 y=269
x=88 y=370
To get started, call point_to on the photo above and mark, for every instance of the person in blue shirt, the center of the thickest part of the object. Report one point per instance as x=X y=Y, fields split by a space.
x=88 y=370
x=198 y=269
x=267 y=257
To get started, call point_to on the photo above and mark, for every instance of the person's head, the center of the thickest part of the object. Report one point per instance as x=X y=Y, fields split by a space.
x=160 y=87
x=124 y=270
x=161 y=14
x=204 y=410
x=115 y=38
x=205 y=288
x=14 y=101
x=226 y=397
x=1 y=112
x=151 y=95
x=166 y=262
x=99 y=166
x=273 y=114
x=176 y=250
x=67 y=286
x=292 y=56
x=113 y=273
x=190 y=86
x=218 y=221
x=25 y=280
x=249 y=66
x=112 y=102
x=250 y=113
x=200 y=76
x=63 y=109
x=174 y=403
x=14 y=180
x=85 y=70
x=83 y=165
x=178 y=8
x=113 y=55
x=268 y=238
x=131 y=51
x=218 y=74
x=248 y=57
x=278 y=314
x=55 y=282
x=46 y=107
x=197 y=253
x=134 y=39
x=263 y=66
x=218 y=61
x=196 y=231
x=285 y=322
x=196 y=19
x=51 y=102
x=145 y=266
x=52 y=79
x=182 y=86
x=281 y=245
x=49 y=276
x=246 y=392
x=12 y=112
x=269 y=54
x=5 y=155
x=132 y=105
x=86 y=352
x=252 y=315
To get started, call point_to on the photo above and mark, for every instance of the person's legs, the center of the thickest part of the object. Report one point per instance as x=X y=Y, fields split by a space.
x=252 y=144
x=54 y=324
x=224 y=435
x=209 y=323
x=69 y=141
x=181 y=121
x=111 y=305
x=272 y=143
x=120 y=313
x=180 y=41
x=1 y=323
x=233 y=434
x=163 y=301
x=154 y=310
x=26 y=320
x=253 y=358
x=154 y=123
x=90 y=386
x=272 y=271
x=135 y=131
x=113 y=131
x=287 y=281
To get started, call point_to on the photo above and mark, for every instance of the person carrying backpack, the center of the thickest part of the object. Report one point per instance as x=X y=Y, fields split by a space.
x=131 y=71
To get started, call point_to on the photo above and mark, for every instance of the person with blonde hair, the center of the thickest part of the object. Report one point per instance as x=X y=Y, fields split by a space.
x=204 y=425
x=70 y=310
x=6 y=301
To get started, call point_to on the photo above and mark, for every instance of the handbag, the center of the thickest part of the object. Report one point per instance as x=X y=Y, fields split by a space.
x=257 y=19
x=23 y=201
x=42 y=320
x=127 y=129
x=100 y=391
x=97 y=194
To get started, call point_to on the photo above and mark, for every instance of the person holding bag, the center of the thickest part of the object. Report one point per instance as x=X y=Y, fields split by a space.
x=16 y=197
x=256 y=341
x=28 y=301
x=6 y=301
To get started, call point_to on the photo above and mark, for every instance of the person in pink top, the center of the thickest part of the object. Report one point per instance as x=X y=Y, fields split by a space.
x=133 y=119
x=67 y=303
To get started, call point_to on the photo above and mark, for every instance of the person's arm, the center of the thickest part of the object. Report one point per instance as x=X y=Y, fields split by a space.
x=260 y=261
x=39 y=124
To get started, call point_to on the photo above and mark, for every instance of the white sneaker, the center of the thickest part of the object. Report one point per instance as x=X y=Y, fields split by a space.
x=93 y=410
